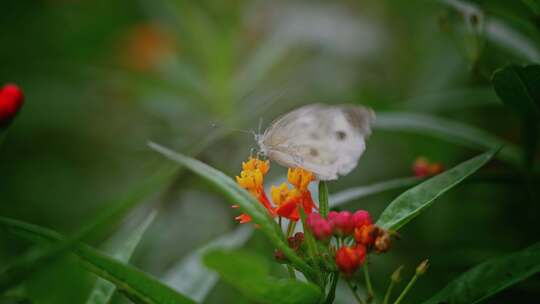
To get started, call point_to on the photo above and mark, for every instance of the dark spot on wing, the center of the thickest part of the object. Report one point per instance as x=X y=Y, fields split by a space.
x=313 y=152
x=341 y=135
x=314 y=136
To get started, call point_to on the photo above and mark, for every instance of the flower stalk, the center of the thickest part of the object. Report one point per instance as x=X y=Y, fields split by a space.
x=370 y=293
x=420 y=270
x=323 y=199
x=394 y=279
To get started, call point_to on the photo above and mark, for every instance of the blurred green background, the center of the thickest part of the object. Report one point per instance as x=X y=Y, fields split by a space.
x=102 y=78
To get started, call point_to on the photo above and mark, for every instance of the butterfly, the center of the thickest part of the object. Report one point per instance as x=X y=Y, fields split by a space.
x=327 y=140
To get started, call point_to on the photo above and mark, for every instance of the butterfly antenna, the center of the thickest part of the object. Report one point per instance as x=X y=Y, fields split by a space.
x=214 y=125
x=260 y=125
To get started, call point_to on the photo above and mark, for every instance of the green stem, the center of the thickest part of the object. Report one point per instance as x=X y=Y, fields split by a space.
x=290 y=228
x=312 y=248
x=291 y=272
x=370 y=292
x=388 y=292
x=323 y=199
x=407 y=288
x=356 y=296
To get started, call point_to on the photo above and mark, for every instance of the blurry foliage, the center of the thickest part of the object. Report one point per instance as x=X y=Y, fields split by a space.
x=102 y=78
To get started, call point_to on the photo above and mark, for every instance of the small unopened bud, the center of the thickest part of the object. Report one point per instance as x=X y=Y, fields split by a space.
x=396 y=275
x=319 y=226
x=361 y=218
x=341 y=222
x=436 y=168
x=422 y=268
x=280 y=256
x=420 y=167
x=296 y=241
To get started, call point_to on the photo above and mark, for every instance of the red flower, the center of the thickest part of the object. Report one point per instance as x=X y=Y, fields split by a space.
x=289 y=208
x=11 y=101
x=348 y=259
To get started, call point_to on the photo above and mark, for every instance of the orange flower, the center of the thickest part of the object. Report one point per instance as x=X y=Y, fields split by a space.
x=300 y=178
x=252 y=179
x=256 y=164
x=286 y=199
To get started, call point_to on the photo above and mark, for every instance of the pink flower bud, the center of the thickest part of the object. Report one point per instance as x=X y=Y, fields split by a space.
x=361 y=218
x=420 y=167
x=312 y=219
x=342 y=223
x=320 y=227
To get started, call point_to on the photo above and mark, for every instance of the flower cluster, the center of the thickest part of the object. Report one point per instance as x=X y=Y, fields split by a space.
x=355 y=233
x=285 y=200
x=422 y=167
x=11 y=100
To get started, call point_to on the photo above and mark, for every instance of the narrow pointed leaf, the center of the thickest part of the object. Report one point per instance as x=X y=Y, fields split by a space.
x=446 y=129
x=22 y=267
x=415 y=200
x=490 y=277
x=249 y=273
x=134 y=283
x=124 y=244
x=237 y=195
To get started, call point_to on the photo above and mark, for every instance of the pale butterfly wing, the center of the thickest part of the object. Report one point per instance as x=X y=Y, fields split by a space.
x=326 y=140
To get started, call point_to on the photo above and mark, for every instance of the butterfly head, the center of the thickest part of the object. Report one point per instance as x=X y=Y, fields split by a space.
x=259 y=139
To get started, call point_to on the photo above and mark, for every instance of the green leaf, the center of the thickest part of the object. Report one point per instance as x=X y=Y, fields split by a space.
x=453 y=131
x=517 y=86
x=135 y=284
x=240 y=196
x=415 y=200
x=534 y=5
x=201 y=280
x=355 y=193
x=123 y=244
x=22 y=267
x=490 y=277
x=250 y=274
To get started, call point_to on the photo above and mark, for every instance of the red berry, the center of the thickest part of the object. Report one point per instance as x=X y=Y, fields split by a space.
x=11 y=100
